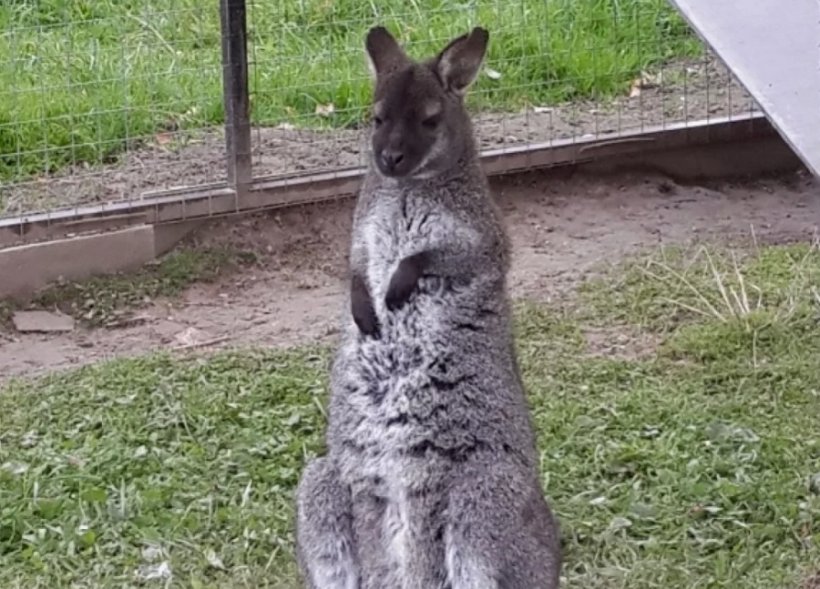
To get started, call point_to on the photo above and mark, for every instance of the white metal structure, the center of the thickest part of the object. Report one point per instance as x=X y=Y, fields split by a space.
x=773 y=47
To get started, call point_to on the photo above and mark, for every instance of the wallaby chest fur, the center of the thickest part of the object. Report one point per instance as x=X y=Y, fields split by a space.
x=429 y=390
x=393 y=221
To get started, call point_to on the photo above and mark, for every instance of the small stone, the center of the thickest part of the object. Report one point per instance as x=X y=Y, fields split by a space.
x=814 y=483
x=42 y=322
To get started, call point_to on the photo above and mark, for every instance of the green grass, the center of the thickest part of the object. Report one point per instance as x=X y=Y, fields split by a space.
x=108 y=301
x=754 y=287
x=691 y=468
x=81 y=79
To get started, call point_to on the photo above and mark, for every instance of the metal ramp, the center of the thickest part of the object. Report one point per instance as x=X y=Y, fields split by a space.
x=773 y=47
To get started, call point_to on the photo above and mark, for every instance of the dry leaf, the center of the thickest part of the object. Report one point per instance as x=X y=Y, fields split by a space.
x=645 y=82
x=492 y=74
x=190 y=336
x=163 y=138
x=214 y=560
x=161 y=571
x=15 y=468
x=651 y=80
x=151 y=553
x=325 y=110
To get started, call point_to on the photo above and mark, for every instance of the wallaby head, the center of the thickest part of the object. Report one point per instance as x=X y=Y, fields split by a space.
x=420 y=125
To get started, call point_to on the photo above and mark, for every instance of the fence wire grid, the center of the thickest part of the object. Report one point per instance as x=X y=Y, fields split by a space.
x=104 y=101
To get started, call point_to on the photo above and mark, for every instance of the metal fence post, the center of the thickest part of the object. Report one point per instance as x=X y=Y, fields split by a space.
x=236 y=99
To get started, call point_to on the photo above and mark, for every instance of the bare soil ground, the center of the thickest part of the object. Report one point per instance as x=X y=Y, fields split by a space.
x=562 y=229
x=682 y=91
x=812 y=582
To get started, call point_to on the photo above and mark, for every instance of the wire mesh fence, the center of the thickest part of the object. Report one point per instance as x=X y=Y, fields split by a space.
x=107 y=101
x=102 y=100
x=557 y=69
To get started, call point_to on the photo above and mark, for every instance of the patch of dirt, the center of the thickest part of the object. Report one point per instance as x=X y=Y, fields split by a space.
x=812 y=582
x=620 y=342
x=561 y=230
x=681 y=91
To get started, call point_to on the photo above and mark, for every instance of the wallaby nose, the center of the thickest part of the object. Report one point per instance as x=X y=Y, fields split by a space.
x=391 y=158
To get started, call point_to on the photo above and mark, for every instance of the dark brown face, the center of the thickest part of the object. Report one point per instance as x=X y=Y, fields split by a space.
x=420 y=125
x=409 y=113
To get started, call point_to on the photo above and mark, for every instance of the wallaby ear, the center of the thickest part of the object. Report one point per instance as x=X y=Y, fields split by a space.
x=458 y=63
x=383 y=52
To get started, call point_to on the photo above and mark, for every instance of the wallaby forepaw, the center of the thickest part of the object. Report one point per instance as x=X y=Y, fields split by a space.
x=399 y=291
x=368 y=323
x=405 y=280
x=364 y=314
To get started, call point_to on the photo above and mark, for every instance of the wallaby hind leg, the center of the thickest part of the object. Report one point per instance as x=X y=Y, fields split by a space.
x=324 y=537
x=500 y=533
x=377 y=571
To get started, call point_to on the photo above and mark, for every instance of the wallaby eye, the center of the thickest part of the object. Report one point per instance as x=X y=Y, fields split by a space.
x=377 y=120
x=431 y=122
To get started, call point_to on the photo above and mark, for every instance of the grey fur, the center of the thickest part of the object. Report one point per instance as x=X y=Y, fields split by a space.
x=431 y=479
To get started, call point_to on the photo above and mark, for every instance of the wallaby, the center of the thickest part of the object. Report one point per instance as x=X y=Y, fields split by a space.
x=431 y=478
